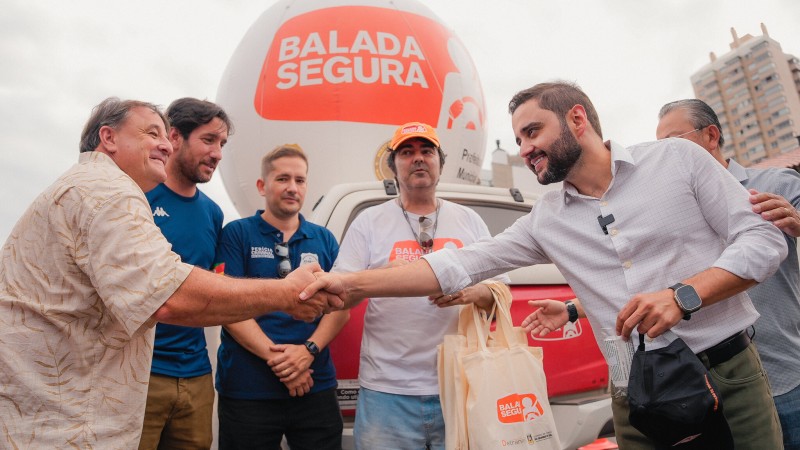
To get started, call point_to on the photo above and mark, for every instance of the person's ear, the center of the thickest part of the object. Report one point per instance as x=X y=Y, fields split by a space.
x=175 y=138
x=713 y=136
x=260 y=185
x=577 y=120
x=108 y=138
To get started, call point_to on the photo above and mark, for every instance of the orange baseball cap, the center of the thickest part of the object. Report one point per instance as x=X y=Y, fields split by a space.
x=414 y=130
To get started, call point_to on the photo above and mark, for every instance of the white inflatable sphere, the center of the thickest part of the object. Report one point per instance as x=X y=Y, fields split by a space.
x=337 y=78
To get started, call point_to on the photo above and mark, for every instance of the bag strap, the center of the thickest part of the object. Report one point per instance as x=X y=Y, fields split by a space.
x=505 y=326
x=481 y=329
x=468 y=326
x=669 y=334
x=465 y=324
x=504 y=333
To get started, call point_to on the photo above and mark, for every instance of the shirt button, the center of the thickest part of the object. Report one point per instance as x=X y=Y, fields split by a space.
x=614 y=232
x=627 y=264
x=604 y=203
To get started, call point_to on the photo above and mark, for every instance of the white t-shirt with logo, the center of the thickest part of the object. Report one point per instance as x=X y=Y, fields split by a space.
x=398 y=349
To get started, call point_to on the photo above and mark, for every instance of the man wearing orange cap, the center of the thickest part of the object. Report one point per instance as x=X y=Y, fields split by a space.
x=398 y=404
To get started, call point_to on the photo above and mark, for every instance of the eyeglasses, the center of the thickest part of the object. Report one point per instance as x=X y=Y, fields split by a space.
x=426 y=233
x=689 y=132
x=284 y=266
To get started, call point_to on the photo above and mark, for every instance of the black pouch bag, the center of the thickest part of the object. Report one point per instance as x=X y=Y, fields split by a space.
x=673 y=400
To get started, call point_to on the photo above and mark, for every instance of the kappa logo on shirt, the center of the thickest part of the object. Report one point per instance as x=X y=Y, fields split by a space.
x=159 y=212
x=261 y=252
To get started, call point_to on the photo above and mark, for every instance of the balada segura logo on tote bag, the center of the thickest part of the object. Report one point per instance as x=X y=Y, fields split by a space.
x=494 y=394
x=516 y=408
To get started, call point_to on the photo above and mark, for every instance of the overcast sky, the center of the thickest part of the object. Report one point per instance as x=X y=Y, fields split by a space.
x=58 y=59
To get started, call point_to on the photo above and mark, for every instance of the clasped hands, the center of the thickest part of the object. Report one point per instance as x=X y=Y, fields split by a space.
x=291 y=363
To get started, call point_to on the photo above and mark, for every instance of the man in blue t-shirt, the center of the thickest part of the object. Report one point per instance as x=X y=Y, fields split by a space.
x=275 y=376
x=180 y=396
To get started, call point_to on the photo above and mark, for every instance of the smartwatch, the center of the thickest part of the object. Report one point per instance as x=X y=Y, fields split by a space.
x=687 y=299
x=572 y=311
x=312 y=348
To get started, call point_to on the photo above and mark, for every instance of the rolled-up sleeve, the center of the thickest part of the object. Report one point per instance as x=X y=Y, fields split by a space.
x=515 y=247
x=129 y=261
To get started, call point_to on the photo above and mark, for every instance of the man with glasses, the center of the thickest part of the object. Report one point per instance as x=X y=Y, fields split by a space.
x=775 y=194
x=275 y=375
x=398 y=403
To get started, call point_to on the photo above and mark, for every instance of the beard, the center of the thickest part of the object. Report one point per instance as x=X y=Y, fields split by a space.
x=564 y=152
x=189 y=169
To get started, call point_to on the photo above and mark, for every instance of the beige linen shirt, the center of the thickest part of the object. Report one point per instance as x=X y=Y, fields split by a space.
x=81 y=275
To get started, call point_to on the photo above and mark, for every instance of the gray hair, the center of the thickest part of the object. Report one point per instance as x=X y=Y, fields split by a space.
x=111 y=112
x=700 y=114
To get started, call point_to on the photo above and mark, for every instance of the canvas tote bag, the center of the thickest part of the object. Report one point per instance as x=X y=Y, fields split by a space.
x=452 y=383
x=492 y=384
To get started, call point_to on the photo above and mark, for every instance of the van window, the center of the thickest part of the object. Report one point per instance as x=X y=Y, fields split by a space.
x=498 y=216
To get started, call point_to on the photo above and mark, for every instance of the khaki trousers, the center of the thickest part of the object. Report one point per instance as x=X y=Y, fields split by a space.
x=178 y=413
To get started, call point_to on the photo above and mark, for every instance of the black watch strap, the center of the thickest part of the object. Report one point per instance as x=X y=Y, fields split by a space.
x=312 y=348
x=687 y=313
x=572 y=311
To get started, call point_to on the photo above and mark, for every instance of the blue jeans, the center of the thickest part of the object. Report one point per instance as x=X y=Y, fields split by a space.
x=390 y=422
x=788 y=406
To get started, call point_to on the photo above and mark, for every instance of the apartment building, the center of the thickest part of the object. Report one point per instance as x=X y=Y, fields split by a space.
x=755 y=90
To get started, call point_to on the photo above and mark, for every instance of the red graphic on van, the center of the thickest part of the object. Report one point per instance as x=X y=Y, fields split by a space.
x=568 y=331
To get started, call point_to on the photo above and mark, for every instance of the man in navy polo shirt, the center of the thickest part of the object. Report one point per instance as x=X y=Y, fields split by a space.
x=180 y=396
x=275 y=375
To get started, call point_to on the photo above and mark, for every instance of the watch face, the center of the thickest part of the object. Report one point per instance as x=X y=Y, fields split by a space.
x=312 y=348
x=688 y=299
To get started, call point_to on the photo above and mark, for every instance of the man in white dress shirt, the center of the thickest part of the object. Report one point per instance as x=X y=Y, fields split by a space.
x=639 y=233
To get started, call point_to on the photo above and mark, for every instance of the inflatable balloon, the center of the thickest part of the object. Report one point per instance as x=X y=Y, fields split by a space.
x=337 y=78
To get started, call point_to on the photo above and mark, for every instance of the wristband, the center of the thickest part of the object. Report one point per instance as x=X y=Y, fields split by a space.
x=572 y=311
x=312 y=348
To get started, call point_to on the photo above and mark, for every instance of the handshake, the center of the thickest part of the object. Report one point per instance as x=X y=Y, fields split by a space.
x=314 y=293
